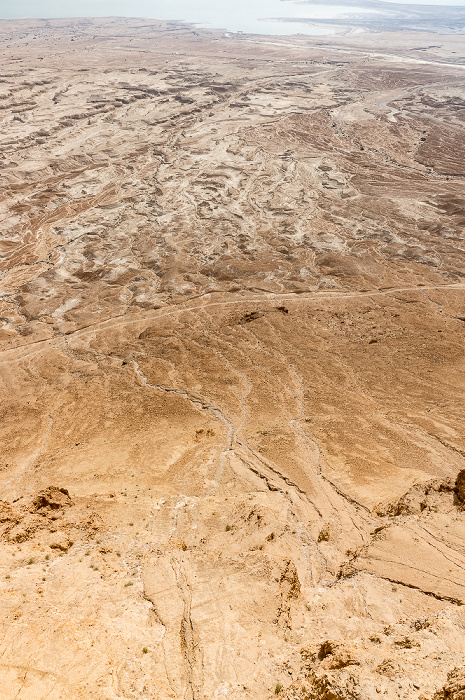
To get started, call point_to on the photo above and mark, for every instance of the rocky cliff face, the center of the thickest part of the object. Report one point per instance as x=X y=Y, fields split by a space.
x=232 y=365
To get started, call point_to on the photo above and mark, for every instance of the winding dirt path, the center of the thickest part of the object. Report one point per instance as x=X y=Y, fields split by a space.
x=7 y=356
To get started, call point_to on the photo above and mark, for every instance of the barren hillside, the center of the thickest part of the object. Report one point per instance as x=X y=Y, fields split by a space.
x=232 y=364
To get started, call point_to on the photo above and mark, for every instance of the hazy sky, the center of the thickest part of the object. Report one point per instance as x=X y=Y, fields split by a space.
x=460 y=3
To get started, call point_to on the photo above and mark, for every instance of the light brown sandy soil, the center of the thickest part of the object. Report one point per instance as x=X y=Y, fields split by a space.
x=233 y=308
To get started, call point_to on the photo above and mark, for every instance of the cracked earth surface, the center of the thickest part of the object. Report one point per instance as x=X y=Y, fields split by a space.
x=231 y=355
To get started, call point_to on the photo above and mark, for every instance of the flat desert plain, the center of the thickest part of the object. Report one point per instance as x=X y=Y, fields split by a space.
x=232 y=364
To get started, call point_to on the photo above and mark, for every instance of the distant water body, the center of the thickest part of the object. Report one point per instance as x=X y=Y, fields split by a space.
x=254 y=16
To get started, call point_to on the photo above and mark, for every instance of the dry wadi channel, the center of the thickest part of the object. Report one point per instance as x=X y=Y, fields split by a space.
x=232 y=364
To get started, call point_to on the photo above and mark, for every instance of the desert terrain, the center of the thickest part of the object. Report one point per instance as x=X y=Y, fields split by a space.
x=232 y=364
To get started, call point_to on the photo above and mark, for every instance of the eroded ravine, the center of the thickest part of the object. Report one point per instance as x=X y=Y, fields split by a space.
x=231 y=337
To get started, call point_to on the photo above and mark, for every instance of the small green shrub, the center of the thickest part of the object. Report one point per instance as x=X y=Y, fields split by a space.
x=228 y=528
x=145 y=650
x=278 y=688
x=129 y=583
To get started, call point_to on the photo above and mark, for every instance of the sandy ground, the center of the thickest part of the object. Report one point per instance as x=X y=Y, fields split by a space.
x=232 y=331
